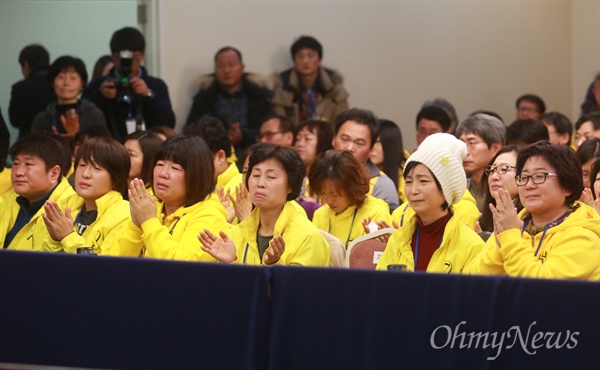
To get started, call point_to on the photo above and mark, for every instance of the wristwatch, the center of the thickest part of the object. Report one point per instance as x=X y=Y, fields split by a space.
x=150 y=94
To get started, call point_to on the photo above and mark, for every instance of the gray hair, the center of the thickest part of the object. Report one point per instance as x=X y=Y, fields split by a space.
x=490 y=128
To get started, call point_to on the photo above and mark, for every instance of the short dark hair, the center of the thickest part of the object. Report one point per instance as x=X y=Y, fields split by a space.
x=588 y=150
x=127 y=38
x=36 y=56
x=87 y=132
x=560 y=122
x=447 y=107
x=228 y=48
x=362 y=116
x=213 y=131
x=525 y=132
x=594 y=118
x=411 y=165
x=191 y=153
x=285 y=124
x=565 y=163
x=434 y=113
x=47 y=148
x=109 y=154
x=343 y=169
x=593 y=175
x=306 y=42
x=288 y=158
x=149 y=143
x=323 y=131
x=66 y=62
x=539 y=103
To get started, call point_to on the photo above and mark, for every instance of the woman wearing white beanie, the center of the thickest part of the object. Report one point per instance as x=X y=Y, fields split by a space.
x=431 y=239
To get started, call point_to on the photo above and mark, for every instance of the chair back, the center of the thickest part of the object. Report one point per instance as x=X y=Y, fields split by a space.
x=337 y=252
x=365 y=251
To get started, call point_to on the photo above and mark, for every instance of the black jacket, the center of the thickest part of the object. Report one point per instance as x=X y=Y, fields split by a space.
x=28 y=98
x=259 y=105
x=156 y=111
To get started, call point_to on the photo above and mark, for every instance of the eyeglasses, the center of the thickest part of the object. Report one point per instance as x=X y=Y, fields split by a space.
x=267 y=135
x=537 y=178
x=527 y=110
x=502 y=169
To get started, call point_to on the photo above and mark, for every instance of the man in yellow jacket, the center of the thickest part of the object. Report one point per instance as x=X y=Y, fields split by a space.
x=36 y=177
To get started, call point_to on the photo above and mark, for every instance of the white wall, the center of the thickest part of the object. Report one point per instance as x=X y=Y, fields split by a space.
x=396 y=55
x=78 y=28
x=585 y=48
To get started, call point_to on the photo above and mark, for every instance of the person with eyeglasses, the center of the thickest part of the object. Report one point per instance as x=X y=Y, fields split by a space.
x=499 y=174
x=555 y=235
x=484 y=136
x=530 y=106
x=276 y=129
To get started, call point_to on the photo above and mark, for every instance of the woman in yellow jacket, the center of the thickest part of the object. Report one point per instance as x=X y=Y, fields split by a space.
x=183 y=182
x=433 y=239
x=277 y=231
x=101 y=168
x=342 y=183
x=554 y=236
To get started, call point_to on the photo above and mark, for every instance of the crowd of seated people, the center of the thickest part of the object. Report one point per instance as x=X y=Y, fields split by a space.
x=266 y=174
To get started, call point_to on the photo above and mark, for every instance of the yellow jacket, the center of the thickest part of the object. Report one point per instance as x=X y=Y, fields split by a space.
x=230 y=178
x=5 y=182
x=569 y=250
x=459 y=245
x=304 y=244
x=32 y=235
x=174 y=237
x=466 y=210
x=113 y=211
x=347 y=225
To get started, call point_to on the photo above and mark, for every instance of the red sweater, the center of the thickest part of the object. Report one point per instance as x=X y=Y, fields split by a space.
x=429 y=239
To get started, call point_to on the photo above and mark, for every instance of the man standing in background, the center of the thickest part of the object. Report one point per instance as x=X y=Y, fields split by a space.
x=33 y=94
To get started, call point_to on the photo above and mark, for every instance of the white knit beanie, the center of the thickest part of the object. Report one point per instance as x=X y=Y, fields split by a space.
x=443 y=155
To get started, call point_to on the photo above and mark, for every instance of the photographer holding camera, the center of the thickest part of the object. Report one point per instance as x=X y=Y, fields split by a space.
x=130 y=99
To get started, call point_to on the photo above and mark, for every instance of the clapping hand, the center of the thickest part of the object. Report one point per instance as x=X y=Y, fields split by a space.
x=220 y=248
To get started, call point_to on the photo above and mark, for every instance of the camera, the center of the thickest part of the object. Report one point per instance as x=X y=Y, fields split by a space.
x=124 y=92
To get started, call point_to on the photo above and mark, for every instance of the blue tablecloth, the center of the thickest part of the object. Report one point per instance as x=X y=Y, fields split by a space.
x=100 y=312
x=341 y=319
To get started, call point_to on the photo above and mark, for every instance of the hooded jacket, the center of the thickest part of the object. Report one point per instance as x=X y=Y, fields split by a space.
x=174 y=237
x=333 y=97
x=304 y=244
x=459 y=245
x=113 y=212
x=569 y=250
